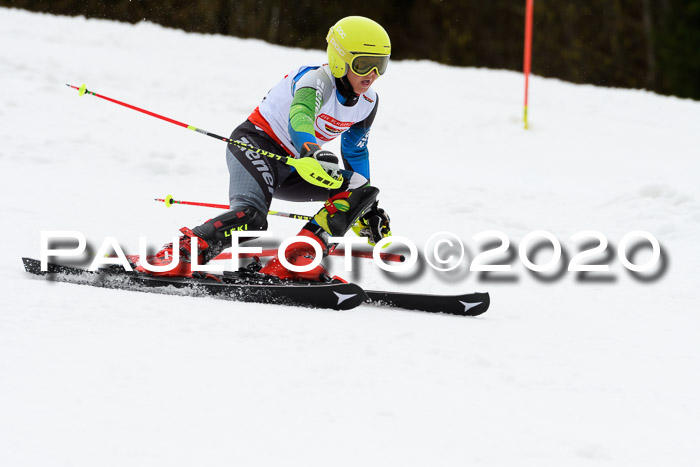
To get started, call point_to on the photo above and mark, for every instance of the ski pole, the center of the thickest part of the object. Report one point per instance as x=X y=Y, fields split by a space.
x=169 y=201
x=269 y=252
x=337 y=252
x=308 y=167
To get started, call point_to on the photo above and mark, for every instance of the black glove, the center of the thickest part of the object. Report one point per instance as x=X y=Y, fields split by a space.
x=327 y=159
x=374 y=224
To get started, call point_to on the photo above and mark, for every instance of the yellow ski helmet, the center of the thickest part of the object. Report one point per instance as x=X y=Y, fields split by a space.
x=360 y=43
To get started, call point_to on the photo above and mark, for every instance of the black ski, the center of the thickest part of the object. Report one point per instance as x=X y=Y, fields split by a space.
x=231 y=286
x=248 y=286
x=472 y=304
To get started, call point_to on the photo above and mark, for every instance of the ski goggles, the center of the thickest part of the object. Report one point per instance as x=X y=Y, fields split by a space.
x=362 y=65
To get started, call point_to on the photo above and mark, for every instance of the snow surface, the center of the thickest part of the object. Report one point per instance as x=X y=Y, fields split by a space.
x=558 y=372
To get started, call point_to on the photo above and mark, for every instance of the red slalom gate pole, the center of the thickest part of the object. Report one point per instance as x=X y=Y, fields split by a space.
x=529 y=8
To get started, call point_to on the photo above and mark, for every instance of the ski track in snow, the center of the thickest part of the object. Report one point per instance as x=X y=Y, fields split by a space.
x=556 y=373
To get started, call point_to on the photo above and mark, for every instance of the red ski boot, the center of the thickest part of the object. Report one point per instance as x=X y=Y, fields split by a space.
x=335 y=218
x=299 y=254
x=184 y=256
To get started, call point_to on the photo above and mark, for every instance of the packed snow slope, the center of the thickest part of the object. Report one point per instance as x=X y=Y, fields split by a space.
x=560 y=371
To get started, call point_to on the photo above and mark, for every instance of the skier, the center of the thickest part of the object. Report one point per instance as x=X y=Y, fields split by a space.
x=309 y=107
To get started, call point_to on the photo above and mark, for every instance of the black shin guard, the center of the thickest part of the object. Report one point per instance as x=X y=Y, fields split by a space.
x=217 y=231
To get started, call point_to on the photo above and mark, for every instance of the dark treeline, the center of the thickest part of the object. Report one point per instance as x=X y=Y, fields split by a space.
x=651 y=44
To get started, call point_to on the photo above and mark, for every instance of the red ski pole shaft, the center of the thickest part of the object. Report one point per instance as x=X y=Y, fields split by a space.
x=337 y=252
x=169 y=201
x=308 y=168
x=83 y=90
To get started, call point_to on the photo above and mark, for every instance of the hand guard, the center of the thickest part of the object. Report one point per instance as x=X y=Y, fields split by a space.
x=327 y=160
x=374 y=225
